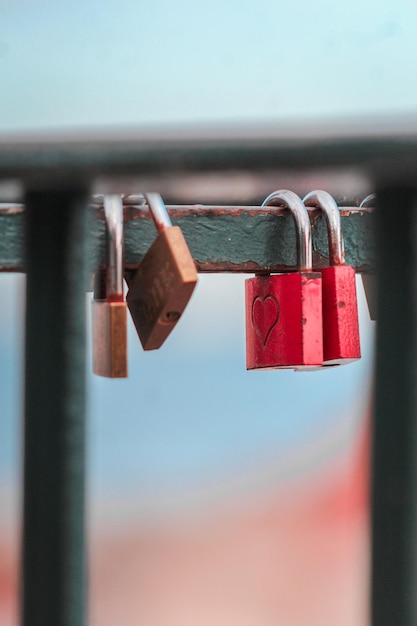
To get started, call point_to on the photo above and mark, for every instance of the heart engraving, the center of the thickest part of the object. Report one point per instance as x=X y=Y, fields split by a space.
x=265 y=315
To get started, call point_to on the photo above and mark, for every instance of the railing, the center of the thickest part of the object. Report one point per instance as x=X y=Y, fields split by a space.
x=59 y=245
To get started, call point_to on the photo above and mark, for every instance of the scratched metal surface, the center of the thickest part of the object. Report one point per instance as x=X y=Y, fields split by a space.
x=221 y=238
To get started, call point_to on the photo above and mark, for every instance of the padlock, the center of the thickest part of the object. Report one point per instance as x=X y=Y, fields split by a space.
x=109 y=311
x=163 y=284
x=341 y=344
x=284 y=311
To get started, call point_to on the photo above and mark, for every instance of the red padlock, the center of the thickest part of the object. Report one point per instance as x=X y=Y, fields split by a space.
x=341 y=344
x=284 y=311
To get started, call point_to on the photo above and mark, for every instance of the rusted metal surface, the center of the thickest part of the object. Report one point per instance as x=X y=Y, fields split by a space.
x=241 y=239
x=177 y=211
x=161 y=288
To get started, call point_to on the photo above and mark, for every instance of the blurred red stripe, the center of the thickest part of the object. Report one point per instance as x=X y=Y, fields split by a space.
x=295 y=558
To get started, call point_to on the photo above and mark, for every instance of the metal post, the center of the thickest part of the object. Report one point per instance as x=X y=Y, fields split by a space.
x=53 y=559
x=394 y=463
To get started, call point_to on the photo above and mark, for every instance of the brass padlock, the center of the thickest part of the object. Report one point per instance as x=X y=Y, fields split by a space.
x=109 y=318
x=163 y=284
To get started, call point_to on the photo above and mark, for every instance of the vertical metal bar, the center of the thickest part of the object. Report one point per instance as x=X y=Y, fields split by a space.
x=53 y=559
x=394 y=462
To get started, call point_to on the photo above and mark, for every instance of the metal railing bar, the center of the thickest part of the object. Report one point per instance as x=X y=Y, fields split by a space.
x=53 y=547
x=394 y=457
x=242 y=239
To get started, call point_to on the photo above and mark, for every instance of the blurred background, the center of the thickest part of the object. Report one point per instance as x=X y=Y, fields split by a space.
x=215 y=495
x=114 y=63
x=220 y=497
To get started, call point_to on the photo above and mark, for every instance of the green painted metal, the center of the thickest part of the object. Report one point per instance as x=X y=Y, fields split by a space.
x=53 y=551
x=12 y=237
x=394 y=458
x=370 y=144
x=221 y=239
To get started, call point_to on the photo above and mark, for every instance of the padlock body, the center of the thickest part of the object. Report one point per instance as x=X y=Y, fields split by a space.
x=161 y=287
x=109 y=338
x=284 y=321
x=341 y=343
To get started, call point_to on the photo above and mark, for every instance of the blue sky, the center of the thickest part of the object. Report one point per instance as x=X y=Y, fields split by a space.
x=129 y=63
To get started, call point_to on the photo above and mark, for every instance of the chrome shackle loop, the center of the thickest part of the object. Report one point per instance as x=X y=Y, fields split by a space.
x=158 y=211
x=294 y=204
x=327 y=204
x=113 y=211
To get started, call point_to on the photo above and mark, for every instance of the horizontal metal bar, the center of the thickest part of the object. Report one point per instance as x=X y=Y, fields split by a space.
x=369 y=144
x=221 y=238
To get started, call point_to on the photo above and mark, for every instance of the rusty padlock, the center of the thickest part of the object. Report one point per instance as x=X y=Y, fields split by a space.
x=163 y=284
x=341 y=344
x=109 y=312
x=284 y=311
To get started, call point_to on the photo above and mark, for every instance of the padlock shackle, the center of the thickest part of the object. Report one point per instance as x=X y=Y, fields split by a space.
x=369 y=201
x=295 y=205
x=327 y=204
x=158 y=211
x=113 y=211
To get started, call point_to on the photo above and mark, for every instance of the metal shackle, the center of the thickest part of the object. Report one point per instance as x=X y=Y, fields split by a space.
x=369 y=201
x=113 y=211
x=294 y=204
x=158 y=211
x=327 y=204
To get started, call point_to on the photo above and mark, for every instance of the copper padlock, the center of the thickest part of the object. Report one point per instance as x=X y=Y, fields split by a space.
x=109 y=313
x=341 y=344
x=284 y=311
x=163 y=284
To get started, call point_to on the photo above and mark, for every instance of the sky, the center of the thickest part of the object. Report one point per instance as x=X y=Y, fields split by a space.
x=89 y=63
